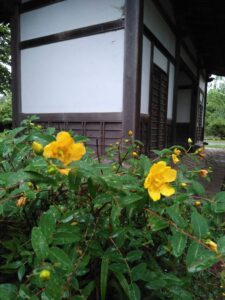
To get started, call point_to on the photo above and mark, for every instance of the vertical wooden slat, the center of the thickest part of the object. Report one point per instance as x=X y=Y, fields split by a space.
x=132 y=66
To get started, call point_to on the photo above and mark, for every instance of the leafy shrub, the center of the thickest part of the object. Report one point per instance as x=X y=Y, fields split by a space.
x=217 y=128
x=6 y=110
x=77 y=226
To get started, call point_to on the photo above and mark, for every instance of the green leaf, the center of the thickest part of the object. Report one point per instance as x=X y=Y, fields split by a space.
x=8 y=291
x=198 y=258
x=87 y=290
x=138 y=272
x=175 y=214
x=156 y=223
x=178 y=242
x=219 y=204
x=221 y=245
x=199 y=224
x=47 y=225
x=21 y=272
x=128 y=289
x=134 y=255
x=39 y=243
x=180 y=293
x=127 y=200
x=198 y=188
x=104 y=277
x=60 y=259
x=62 y=238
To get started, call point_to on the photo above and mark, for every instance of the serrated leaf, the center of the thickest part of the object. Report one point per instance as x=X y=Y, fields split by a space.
x=39 y=243
x=199 y=225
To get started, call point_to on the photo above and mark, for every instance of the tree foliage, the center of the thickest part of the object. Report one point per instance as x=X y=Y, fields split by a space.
x=5 y=59
x=215 y=122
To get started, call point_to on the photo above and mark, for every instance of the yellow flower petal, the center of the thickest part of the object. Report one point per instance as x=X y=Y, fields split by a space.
x=167 y=190
x=155 y=195
x=169 y=174
x=64 y=171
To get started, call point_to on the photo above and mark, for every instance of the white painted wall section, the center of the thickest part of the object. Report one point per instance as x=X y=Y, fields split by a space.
x=145 y=75
x=67 y=15
x=184 y=55
x=160 y=60
x=170 y=92
x=156 y=24
x=184 y=106
x=75 y=76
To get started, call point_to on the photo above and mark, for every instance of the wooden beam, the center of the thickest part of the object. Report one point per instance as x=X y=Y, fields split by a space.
x=132 y=66
x=35 y=4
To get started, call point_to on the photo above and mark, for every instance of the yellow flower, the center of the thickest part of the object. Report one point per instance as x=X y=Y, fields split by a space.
x=45 y=275
x=183 y=184
x=177 y=151
x=64 y=149
x=21 y=201
x=64 y=171
x=37 y=148
x=175 y=159
x=190 y=141
x=203 y=173
x=130 y=133
x=212 y=245
x=157 y=181
x=134 y=154
x=197 y=203
x=127 y=141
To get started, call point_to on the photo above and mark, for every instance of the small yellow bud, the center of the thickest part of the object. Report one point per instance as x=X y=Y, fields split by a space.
x=114 y=168
x=190 y=141
x=39 y=127
x=197 y=203
x=183 y=184
x=134 y=154
x=45 y=275
x=212 y=245
x=126 y=141
x=117 y=143
x=203 y=173
x=130 y=133
x=175 y=159
x=21 y=201
x=30 y=184
x=176 y=151
x=37 y=148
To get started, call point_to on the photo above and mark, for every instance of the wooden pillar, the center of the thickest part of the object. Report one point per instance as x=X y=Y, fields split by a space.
x=132 y=66
x=175 y=93
x=16 y=76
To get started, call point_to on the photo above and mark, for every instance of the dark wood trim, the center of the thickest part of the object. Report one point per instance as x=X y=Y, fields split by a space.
x=132 y=66
x=158 y=44
x=184 y=45
x=186 y=87
x=16 y=67
x=35 y=4
x=76 y=117
x=72 y=34
x=187 y=70
x=175 y=91
x=205 y=103
x=194 y=109
x=150 y=94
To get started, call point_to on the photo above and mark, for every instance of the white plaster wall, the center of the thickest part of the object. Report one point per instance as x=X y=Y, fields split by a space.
x=170 y=92
x=202 y=84
x=156 y=24
x=67 y=15
x=160 y=60
x=80 y=75
x=145 y=75
x=188 y=60
x=184 y=106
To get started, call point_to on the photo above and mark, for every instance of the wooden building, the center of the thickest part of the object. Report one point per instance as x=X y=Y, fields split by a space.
x=103 y=67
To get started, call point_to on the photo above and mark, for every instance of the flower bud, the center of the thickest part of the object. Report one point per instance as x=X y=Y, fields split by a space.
x=134 y=154
x=212 y=245
x=21 y=201
x=190 y=141
x=52 y=169
x=183 y=184
x=130 y=133
x=37 y=148
x=203 y=173
x=177 y=151
x=197 y=203
x=175 y=159
x=45 y=275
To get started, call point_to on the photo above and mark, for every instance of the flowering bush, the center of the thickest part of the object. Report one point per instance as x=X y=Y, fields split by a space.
x=123 y=226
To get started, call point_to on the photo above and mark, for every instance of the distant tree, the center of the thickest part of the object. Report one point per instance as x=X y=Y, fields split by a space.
x=5 y=59
x=215 y=112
